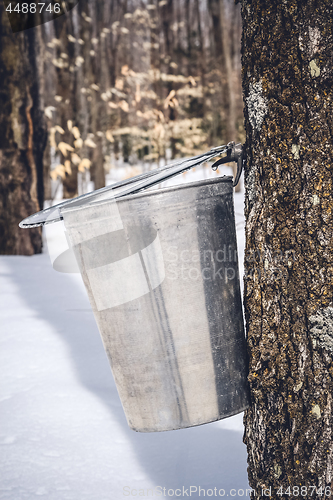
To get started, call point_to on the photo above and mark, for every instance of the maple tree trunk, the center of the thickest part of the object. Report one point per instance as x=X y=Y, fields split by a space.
x=287 y=59
x=22 y=137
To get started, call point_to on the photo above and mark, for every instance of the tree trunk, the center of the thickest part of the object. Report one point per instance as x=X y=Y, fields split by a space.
x=63 y=27
x=227 y=69
x=223 y=56
x=287 y=57
x=22 y=137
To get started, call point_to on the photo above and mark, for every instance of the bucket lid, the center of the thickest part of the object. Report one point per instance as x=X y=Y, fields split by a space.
x=122 y=188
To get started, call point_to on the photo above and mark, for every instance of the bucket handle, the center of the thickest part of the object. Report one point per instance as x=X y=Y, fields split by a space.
x=140 y=182
x=234 y=153
x=124 y=187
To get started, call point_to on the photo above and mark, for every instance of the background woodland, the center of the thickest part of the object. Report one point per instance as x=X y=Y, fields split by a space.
x=137 y=83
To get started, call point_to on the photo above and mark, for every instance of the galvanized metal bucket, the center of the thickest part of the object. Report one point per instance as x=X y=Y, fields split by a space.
x=161 y=271
x=162 y=279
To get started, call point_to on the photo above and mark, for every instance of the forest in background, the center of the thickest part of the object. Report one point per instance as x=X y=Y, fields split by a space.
x=108 y=90
x=137 y=82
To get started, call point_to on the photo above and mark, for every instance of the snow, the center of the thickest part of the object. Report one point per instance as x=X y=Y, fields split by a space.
x=63 y=433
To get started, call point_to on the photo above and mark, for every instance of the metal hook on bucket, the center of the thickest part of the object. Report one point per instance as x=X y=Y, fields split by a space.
x=234 y=153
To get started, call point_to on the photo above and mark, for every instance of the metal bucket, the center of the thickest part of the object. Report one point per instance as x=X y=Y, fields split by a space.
x=161 y=271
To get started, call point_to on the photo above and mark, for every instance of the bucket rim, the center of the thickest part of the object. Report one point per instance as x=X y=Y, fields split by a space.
x=129 y=186
x=153 y=192
x=177 y=187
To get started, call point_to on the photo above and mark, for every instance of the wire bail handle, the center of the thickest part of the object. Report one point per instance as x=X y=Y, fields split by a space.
x=139 y=183
x=234 y=153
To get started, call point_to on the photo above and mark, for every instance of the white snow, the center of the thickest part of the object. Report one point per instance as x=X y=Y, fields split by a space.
x=63 y=433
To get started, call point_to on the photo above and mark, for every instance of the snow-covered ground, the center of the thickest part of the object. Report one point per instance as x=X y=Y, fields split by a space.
x=63 y=433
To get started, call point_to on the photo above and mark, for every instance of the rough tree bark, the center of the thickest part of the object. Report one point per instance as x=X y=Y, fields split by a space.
x=22 y=137
x=287 y=58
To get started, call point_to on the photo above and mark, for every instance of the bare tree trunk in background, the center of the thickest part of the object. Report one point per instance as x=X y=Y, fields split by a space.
x=227 y=70
x=229 y=91
x=287 y=60
x=222 y=42
x=66 y=58
x=202 y=67
x=167 y=17
x=36 y=54
x=188 y=33
x=22 y=137
x=98 y=71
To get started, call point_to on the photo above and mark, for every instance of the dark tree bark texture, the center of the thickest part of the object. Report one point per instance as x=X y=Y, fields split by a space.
x=22 y=137
x=287 y=59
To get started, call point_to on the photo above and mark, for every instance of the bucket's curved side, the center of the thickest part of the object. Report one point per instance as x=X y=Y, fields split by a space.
x=171 y=345
x=218 y=241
